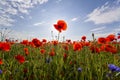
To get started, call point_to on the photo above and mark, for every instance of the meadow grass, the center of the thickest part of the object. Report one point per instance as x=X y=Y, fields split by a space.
x=37 y=66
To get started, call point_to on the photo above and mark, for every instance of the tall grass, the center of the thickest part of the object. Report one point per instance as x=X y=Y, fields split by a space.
x=38 y=66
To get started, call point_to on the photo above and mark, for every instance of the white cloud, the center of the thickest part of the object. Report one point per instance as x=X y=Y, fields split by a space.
x=105 y=14
x=20 y=35
x=21 y=17
x=117 y=29
x=74 y=19
x=38 y=24
x=98 y=29
x=5 y=20
x=104 y=34
x=14 y=7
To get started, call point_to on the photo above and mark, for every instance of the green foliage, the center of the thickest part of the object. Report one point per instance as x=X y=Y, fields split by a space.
x=94 y=65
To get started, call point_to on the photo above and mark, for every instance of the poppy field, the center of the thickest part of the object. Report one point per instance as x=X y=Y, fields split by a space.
x=98 y=59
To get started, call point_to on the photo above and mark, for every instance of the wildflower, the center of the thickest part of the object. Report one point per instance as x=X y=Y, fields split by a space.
x=111 y=37
x=52 y=53
x=1 y=71
x=79 y=69
x=113 y=68
x=36 y=42
x=94 y=49
x=117 y=69
x=118 y=33
x=42 y=51
x=61 y=25
x=65 y=55
x=25 y=42
x=83 y=38
x=87 y=44
x=44 y=40
x=32 y=44
x=20 y=58
x=110 y=48
x=77 y=46
x=68 y=41
x=55 y=42
x=26 y=51
x=1 y=62
x=118 y=37
x=4 y=46
x=66 y=47
x=101 y=40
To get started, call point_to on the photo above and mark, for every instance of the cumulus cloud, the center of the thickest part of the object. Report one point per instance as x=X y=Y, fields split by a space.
x=5 y=20
x=18 y=35
x=98 y=29
x=38 y=24
x=117 y=29
x=107 y=13
x=74 y=19
x=22 y=17
x=10 y=8
x=104 y=34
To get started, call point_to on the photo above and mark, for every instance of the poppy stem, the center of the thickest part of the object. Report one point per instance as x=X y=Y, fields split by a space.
x=63 y=38
x=58 y=35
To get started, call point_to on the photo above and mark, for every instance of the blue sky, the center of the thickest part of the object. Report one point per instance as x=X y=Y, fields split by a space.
x=35 y=18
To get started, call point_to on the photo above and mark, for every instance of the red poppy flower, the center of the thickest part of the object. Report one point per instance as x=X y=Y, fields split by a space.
x=32 y=44
x=42 y=51
x=1 y=62
x=26 y=51
x=87 y=44
x=94 y=49
x=77 y=46
x=68 y=41
x=83 y=38
x=111 y=37
x=65 y=55
x=44 y=40
x=61 y=25
x=52 y=53
x=20 y=58
x=118 y=37
x=5 y=46
x=25 y=42
x=55 y=42
x=110 y=48
x=36 y=42
x=101 y=40
x=66 y=47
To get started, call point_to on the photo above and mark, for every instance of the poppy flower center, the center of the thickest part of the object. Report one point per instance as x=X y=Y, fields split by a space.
x=59 y=27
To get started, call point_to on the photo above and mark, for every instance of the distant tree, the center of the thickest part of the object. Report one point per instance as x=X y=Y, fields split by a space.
x=4 y=32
